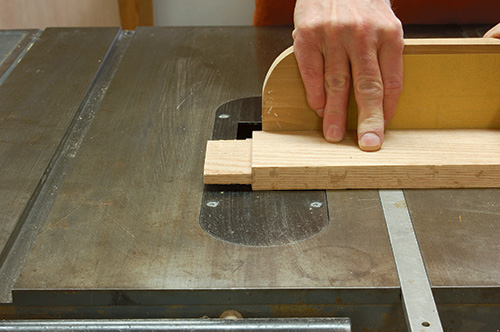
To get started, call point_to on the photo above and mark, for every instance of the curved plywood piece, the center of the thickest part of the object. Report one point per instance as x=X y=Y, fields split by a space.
x=448 y=83
x=284 y=104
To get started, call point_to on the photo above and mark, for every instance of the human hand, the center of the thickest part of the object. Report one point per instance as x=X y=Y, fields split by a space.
x=493 y=32
x=334 y=38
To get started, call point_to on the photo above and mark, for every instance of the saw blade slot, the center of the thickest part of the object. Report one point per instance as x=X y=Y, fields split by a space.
x=238 y=215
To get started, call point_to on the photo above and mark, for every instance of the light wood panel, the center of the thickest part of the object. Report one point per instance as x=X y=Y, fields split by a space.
x=230 y=162
x=448 y=83
x=39 y=14
x=409 y=159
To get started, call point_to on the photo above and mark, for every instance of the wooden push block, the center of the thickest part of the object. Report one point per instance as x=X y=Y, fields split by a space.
x=450 y=86
x=447 y=83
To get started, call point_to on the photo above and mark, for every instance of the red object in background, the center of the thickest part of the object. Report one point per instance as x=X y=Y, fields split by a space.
x=273 y=12
x=280 y=12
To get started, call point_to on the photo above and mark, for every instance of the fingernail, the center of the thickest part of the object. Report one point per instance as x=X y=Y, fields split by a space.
x=333 y=134
x=320 y=112
x=369 y=142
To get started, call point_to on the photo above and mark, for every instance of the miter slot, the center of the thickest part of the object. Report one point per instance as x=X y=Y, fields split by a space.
x=14 y=44
x=62 y=138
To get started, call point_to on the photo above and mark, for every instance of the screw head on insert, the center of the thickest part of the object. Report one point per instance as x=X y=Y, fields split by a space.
x=213 y=203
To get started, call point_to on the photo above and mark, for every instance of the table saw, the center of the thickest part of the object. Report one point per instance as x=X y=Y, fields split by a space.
x=106 y=221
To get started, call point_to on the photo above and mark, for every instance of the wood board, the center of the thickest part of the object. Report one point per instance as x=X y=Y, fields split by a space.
x=230 y=162
x=448 y=84
x=466 y=158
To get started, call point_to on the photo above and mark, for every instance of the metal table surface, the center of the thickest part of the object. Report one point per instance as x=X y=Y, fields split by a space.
x=102 y=140
x=13 y=45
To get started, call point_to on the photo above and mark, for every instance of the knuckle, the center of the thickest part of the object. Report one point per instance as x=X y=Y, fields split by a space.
x=394 y=27
x=362 y=27
x=336 y=82
x=310 y=30
x=334 y=112
x=393 y=88
x=372 y=123
x=393 y=31
x=369 y=88
x=367 y=29
x=353 y=28
x=308 y=73
x=340 y=26
x=348 y=27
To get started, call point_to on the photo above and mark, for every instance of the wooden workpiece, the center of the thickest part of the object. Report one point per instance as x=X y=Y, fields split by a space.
x=450 y=110
x=230 y=162
x=465 y=158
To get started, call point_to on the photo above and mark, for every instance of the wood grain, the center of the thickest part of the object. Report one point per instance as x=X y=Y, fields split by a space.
x=228 y=162
x=409 y=159
x=448 y=83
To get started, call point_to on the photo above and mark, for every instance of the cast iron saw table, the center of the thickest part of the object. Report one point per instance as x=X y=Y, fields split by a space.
x=104 y=214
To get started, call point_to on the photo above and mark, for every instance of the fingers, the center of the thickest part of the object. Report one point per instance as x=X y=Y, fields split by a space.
x=369 y=93
x=337 y=78
x=377 y=69
x=343 y=40
x=310 y=62
x=377 y=82
x=390 y=57
x=493 y=32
